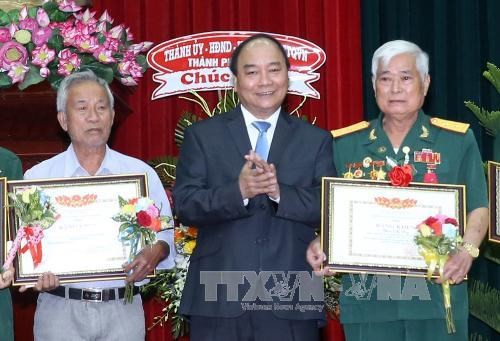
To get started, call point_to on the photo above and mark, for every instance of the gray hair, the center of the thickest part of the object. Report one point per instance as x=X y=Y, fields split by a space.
x=386 y=52
x=75 y=78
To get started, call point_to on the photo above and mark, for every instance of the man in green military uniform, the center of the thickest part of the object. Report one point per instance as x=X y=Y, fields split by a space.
x=439 y=151
x=10 y=167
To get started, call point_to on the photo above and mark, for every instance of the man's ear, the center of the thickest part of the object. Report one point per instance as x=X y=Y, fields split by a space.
x=61 y=117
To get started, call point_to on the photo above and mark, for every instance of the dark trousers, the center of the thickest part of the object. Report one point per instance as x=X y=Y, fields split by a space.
x=252 y=326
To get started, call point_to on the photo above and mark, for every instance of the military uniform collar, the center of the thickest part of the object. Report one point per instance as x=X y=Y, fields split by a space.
x=422 y=129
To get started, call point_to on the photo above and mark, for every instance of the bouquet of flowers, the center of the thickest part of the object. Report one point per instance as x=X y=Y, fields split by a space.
x=36 y=212
x=140 y=220
x=54 y=40
x=171 y=283
x=437 y=238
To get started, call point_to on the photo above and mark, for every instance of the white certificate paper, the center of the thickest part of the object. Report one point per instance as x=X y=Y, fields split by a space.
x=83 y=243
x=370 y=226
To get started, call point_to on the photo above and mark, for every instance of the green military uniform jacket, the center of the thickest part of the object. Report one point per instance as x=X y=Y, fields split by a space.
x=460 y=163
x=10 y=167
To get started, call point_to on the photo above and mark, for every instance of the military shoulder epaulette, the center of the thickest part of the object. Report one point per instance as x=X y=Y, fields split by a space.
x=350 y=129
x=457 y=127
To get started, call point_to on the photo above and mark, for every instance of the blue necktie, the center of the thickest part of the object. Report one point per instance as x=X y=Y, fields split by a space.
x=262 y=146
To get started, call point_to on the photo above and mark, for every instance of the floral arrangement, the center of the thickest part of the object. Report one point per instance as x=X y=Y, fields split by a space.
x=54 y=40
x=170 y=284
x=36 y=212
x=140 y=220
x=437 y=238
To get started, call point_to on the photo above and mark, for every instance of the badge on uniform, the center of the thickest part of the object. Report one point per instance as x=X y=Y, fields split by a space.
x=432 y=160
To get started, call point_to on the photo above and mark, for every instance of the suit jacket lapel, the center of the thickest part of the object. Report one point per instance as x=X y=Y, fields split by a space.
x=281 y=138
x=238 y=130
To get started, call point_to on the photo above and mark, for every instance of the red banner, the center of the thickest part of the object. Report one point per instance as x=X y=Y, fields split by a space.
x=200 y=62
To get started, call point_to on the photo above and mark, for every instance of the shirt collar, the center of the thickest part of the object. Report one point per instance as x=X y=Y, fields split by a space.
x=73 y=167
x=249 y=118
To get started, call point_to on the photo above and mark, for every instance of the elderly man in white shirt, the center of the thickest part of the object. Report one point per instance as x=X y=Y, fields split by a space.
x=85 y=112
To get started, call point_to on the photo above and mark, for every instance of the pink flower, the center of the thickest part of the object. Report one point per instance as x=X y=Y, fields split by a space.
x=141 y=47
x=28 y=24
x=44 y=72
x=13 y=29
x=4 y=35
x=103 y=55
x=116 y=31
x=130 y=36
x=42 y=18
x=42 y=55
x=112 y=43
x=41 y=35
x=68 y=62
x=69 y=6
x=12 y=53
x=17 y=72
x=128 y=81
x=86 y=43
x=130 y=67
x=153 y=211
x=23 y=13
x=105 y=17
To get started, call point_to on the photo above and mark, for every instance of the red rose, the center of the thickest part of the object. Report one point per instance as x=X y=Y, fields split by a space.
x=401 y=175
x=143 y=218
x=435 y=225
x=451 y=221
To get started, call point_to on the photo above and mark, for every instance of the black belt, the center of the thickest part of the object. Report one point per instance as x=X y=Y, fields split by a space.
x=91 y=295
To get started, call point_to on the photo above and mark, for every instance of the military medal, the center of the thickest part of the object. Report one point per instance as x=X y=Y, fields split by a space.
x=367 y=161
x=406 y=151
x=431 y=159
x=348 y=174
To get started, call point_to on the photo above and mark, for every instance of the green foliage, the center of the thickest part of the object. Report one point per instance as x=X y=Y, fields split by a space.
x=484 y=301
x=490 y=120
x=33 y=207
x=166 y=168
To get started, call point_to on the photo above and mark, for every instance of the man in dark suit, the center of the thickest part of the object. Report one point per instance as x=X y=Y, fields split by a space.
x=256 y=210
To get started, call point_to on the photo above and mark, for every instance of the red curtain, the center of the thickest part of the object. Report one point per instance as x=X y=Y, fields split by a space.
x=334 y=25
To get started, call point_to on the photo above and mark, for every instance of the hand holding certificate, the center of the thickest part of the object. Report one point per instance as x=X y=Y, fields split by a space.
x=84 y=243
x=370 y=226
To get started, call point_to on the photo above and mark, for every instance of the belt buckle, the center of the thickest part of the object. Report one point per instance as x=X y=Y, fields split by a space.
x=92 y=295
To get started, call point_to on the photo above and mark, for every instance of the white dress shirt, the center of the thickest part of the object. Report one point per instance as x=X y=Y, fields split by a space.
x=66 y=165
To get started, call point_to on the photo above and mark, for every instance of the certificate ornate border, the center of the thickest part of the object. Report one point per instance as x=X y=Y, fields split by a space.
x=494 y=201
x=139 y=181
x=330 y=208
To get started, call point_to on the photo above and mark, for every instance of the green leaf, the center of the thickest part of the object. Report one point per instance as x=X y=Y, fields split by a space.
x=493 y=75
x=185 y=121
x=5 y=80
x=56 y=42
x=32 y=11
x=31 y=78
x=4 y=18
x=14 y=15
x=142 y=61
x=58 y=16
x=101 y=70
x=50 y=6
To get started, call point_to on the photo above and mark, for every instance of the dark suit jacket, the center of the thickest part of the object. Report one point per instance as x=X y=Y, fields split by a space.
x=262 y=236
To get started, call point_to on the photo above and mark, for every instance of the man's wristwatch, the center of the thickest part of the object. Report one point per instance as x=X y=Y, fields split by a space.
x=471 y=249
